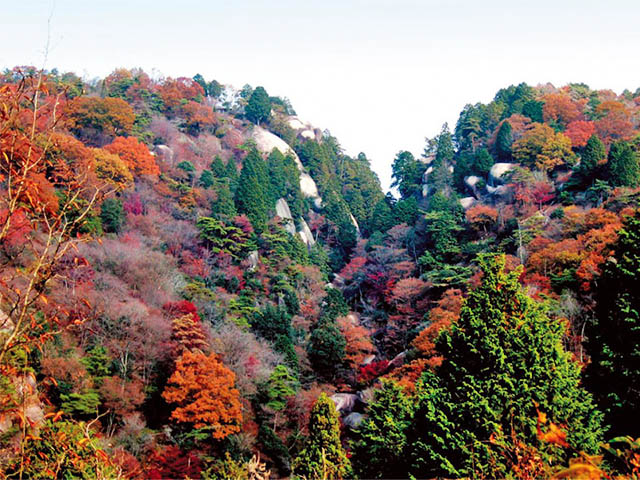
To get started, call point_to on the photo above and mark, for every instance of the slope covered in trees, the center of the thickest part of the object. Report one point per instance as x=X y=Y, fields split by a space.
x=196 y=284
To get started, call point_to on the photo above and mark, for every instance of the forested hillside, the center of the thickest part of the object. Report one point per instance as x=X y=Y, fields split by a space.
x=195 y=283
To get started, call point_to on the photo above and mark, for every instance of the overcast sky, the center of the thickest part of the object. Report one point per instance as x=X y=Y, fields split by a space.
x=381 y=75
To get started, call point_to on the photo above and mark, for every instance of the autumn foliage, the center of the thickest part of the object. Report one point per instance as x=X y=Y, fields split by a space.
x=134 y=154
x=204 y=394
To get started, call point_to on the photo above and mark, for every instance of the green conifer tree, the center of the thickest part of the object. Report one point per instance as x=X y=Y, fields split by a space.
x=112 y=215
x=252 y=194
x=323 y=456
x=614 y=338
x=223 y=207
x=622 y=165
x=381 y=440
x=591 y=156
x=258 y=108
x=219 y=169
x=503 y=359
x=504 y=140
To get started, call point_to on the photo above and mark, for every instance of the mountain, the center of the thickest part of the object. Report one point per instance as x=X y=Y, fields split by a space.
x=197 y=283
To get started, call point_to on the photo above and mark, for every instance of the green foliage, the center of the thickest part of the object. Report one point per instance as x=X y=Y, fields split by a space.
x=220 y=237
x=533 y=110
x=475 y=123
x=614 y=337
x=82 y=404
x=361 y=188
x=407 y=174
x=334 y=305
x=382 y=218
x=272 y=322
x=443 y=223
x=252 y=196
x=622 y=165
x=381 y=440
x=589 y=168
x=483 y=162
x=207 y=179
x=274 y=447
x=282 y=386
x=512 y=100
x=504 y=140
x=327 y=344
x=112 y=215
x=258 y=107
x=326 y=348
x=186 y=166
x=219 y=169
x=284 y=178
x=444 y=147
x=97 y=361
x=223 y=207
x=323 y=455
x=502 y=358
x=338 y=212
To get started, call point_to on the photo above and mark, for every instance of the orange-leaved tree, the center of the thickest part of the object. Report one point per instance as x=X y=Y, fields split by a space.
x=203 y=391
x=135 y=154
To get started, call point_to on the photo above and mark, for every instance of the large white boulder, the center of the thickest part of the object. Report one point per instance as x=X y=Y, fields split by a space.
x=267 y=141
x=499 y=190
x=253 y=260
x=346 y=402
x=467 y=202
x=284 y=212
x=355 y=223
x=164 y=152
x=304 y=129
x=498 y=170
x=471 y=181
x=305 y=234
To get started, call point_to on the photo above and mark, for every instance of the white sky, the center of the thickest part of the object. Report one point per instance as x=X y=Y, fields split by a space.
x=381 y=75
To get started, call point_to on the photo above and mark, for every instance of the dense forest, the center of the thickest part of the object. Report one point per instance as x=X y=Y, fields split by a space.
x=194 y=283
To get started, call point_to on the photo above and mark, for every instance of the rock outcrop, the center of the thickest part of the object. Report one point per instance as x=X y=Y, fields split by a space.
x=267 y=141
x=303 y=129
x=497 y=171
x=347 y=402
x=283 y=211
x=305 y=233
x=467 y=202
x=353 y=420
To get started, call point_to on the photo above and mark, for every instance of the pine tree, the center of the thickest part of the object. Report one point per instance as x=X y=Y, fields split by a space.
x=503 y=359
x=258 y=108
x=591 y=156
x=504 y=140
x=407 y=174
x=323 y=456
x=381 y=440
x=112 y=215
x=219 y=169
x=614 y=338
x=622 y=166
x=326 y=347
x=282 y=386
x=207 y=179
x=223 y=207
x=252 y=193
x=483 y=162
